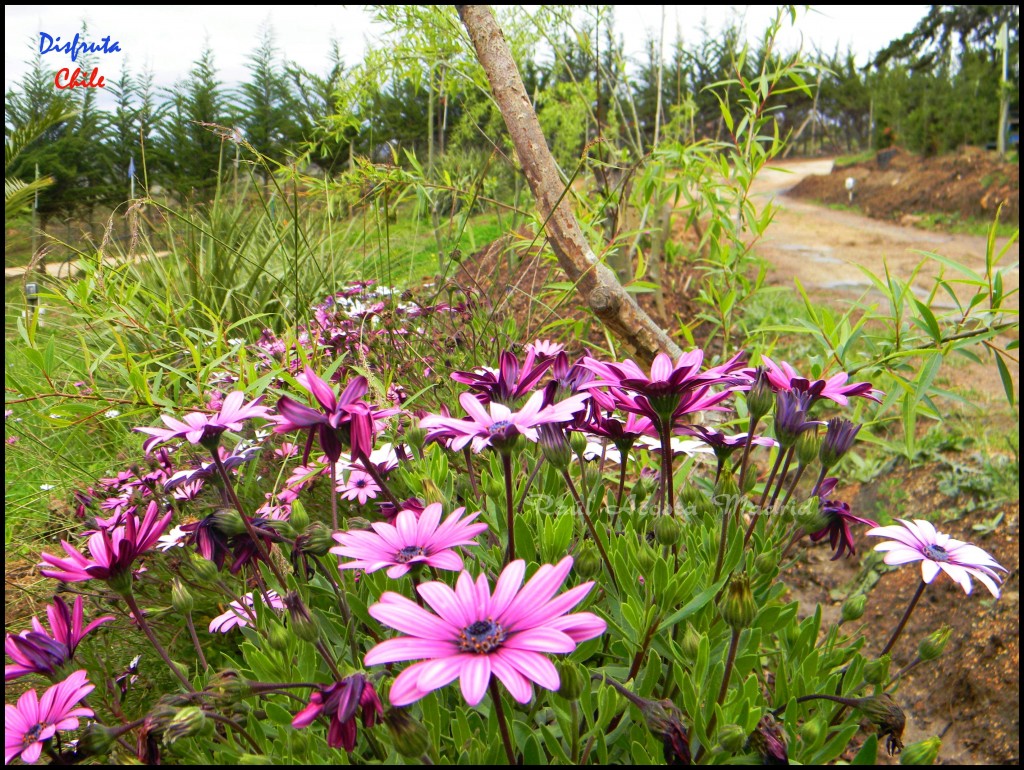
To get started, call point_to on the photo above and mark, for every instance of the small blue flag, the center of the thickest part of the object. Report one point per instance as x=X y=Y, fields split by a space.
x=131 y=168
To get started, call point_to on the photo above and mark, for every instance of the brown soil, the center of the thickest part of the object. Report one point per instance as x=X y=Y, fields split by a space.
x=898 y=186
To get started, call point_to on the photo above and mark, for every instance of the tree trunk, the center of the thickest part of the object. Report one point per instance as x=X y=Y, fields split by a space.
x=598 y=285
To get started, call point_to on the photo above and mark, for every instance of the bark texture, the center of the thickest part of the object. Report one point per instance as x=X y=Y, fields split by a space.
x=598 y=285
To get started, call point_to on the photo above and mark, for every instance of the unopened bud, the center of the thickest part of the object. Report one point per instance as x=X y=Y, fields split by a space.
x=299 y=518
x=737 y=606
x=204 y=570
x=229 y=685
x=933 y=645
x=318 y=539
x=731 y=738
x=812 y=730
x=840 y=435
x=759 y=397
x=302 y=623
x=667 y=530
x=278 y=637
x=415 y=436
x=409 y=737
x=431 y=492
x=181 y=599
x=811 y=516
x=749 y=480
x=765 y=563
x=807 y=446
x=645 y=558
x=228 y=522
x=578 y=443
x=690 y=645
x=726 y=490
x=588 y=560
x=570 y=679
x=853 y=608
x=188 y=721
x=97 y=740
x=877 y=671
x=924 y=752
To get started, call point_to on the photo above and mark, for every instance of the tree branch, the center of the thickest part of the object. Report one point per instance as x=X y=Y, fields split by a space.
x=598 y=285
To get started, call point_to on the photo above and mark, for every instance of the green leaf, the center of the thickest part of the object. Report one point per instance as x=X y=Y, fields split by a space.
x=868 y=754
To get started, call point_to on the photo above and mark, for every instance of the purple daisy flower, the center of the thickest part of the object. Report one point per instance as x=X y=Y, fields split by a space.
x=919 y=541
x=205 y=429
x=339 y=703
x=840 y=538
x=41 y=652
x=35 y=720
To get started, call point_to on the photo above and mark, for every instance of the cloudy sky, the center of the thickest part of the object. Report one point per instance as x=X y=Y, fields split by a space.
x=168 y=38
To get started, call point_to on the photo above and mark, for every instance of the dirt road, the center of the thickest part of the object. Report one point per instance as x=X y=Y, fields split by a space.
x=823 y=247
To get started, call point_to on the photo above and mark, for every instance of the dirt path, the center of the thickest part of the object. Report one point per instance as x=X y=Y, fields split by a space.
x=823 y=248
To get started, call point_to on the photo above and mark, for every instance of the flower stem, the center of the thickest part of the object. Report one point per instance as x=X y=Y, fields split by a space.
x=746 y=452
x=622 y=487
x=764 y=497
x=666 y=464
x=722 y=543
x=334 y=496
x=506 y=461
x=141 y=620
x=195 y=640
x=370 y=468
x=339 y=594
x=499 y=712
x=781 y=481
x=471 y=473
x=729 y=661
x=590 y=527
x=903 y=621
x=574 y=746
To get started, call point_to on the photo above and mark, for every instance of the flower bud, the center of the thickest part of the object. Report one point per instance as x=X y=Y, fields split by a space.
x=431 y=492
x=807 y=447
x=737 y=606
x=812 y=730
x=570 y=679
x=409 y=736
x=228 y=521
x=759 y=397
x=853 y=608
x=278 y=637
x=302 y=623
x=204 y=570
x=888 y=717
x=415 y=436
x=181 y=599
x=188 y=721
x=318 y=539
x=492 y=487
x=229 y=685
x=97 y=740
x=578 y=443
x=726 y=490
x=731 y=738
x=749 y=480
x=922 y=753
x=811 y=515
x=933 y=645
x=840 y=434
x=765 y=563
x=645 y=558
x=667 y=530
x=299 y=518
x=877 y=671
x=690 y=645
x=588 y=560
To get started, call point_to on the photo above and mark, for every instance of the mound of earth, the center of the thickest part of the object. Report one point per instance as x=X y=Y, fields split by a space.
x=897 y=185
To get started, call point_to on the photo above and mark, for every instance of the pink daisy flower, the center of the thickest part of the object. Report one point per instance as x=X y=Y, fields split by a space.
x=360 y=486
x=501 y=426
x=239 y=613
x=199 y=428
x=782 y=376
x=411 y=540
x=113 y=552
x=477 y=633
x=41 y=652
x=35 y=719
x=919 y=541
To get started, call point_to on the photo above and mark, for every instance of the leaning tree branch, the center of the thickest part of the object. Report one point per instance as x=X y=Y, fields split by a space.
x=601 y=290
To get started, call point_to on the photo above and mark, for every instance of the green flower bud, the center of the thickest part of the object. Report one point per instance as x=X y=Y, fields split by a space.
x=812 y=730
x=737 y=606
x=97 y=741
x=278 y=637
x=319 y=539
x=181 y=599
x=933 y=645
x=731 y=738
x=807 y=447
x=760 y=399
x=810 y=516
x=877 y=671
x=588 y=560
x=303 y=624
x=188 y=721
x=726 y=490
x=415 y=436
x=749 y=480
x=228 y=522
x=493 y=488
x=922 y=753
x=204 y=570
x=765 y=563
x=571 y=679
x=690 y=644
x=667 y=530
x=431 y=492
x=578 y=443
x=853 y=608
x=645 y=558
x=299 y=517
x=229 y=685
x=408 y=736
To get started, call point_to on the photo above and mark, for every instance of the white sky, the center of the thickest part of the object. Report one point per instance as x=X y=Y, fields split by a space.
x=168 y=38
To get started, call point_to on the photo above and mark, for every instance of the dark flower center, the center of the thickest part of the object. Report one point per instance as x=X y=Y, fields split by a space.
x=31 y=735
x=362 y=483
x=499 y=427
x=408 y=553
x=482 y=637
x=936 y=553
